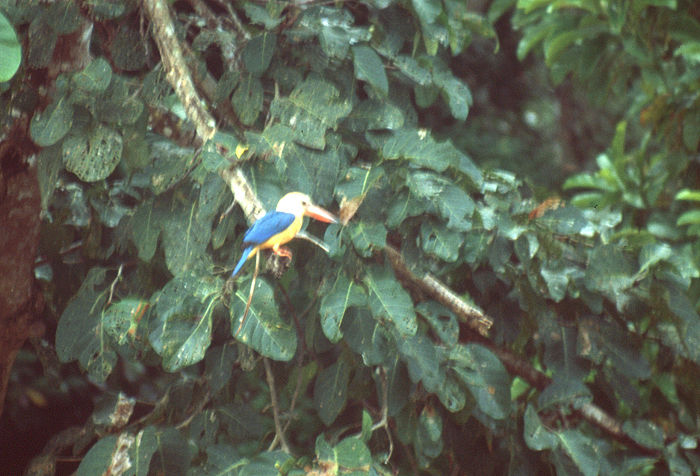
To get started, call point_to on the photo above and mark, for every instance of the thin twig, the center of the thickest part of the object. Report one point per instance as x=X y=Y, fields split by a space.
x=250 y=296
x=384 y=422
x=297 y=391
x=279 y=432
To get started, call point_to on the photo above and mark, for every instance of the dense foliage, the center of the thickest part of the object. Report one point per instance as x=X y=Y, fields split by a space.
x=462 y=319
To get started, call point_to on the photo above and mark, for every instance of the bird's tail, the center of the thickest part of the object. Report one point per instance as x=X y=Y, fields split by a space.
x=241 y=262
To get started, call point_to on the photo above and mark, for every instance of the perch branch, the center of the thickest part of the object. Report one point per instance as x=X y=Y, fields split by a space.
x=474 y=318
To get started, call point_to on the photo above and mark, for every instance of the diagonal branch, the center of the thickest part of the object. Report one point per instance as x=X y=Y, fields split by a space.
x=513 y=363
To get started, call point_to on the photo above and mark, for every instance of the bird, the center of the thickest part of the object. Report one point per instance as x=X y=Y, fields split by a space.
x=278 y=227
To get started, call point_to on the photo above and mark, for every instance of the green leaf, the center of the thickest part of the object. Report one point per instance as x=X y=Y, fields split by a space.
x=567 y=220
x=404 y=205
x=147 y=224
x=589 y=181
x=483 y=373
x=688 y=325
x=122 y=317
x=182 y=331
x=51 y=125
x=453 y=203
x=172 y=455
x=653 y=253
x=367 y=236
x=49 y=165
x=352 y=454
x=413 y=70
x=127 y=49
x=219 y=365
x=311 y=109
x=99 y=458
x=440 y=241
x=247 y=100
x=537 y=436
x=146 y=446
x=427 y=10
x=367 y=337
x=93 y=155
x=684 y=28
x=644 y=432
x=374 y=115
x=95 y=77
x=263 y=329
x=389 y=301
x=269 y=16
x=424 y=363
x=186 y=236
x=65 y=17
x=358 y=181
x=330 y=390
x=689 y=195
x=690 y=51
x=691 y=125
x=10 y=50
x=265 y=464
x=691 y=217
x=369 y=67
x=610 y=270
x=344 y=294
x=81 y=335
x=420 y=149
x=442 y=320
x=258 y=52
x=459 y=98
x=601 y=341
x=429 y=433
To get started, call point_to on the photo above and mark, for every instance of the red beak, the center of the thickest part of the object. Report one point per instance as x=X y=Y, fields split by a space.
x=320 y=214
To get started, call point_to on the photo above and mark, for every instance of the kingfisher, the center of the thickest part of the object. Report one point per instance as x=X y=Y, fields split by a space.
x=278 y=227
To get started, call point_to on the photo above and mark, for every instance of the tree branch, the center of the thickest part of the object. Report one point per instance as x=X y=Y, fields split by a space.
x=513 y=363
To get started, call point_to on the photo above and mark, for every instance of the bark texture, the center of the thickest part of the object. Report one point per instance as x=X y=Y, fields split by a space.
x=20 y=207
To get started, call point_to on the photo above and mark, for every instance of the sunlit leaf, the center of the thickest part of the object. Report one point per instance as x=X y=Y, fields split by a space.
x=10 y=50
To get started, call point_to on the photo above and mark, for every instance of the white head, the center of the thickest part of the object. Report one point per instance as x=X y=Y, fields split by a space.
x=299 y=204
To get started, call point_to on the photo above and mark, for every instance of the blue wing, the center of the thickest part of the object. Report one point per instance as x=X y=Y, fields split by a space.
x=262 y=230
x=268 y=226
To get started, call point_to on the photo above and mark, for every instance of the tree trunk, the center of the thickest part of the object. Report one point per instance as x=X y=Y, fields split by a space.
x=20 y=207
